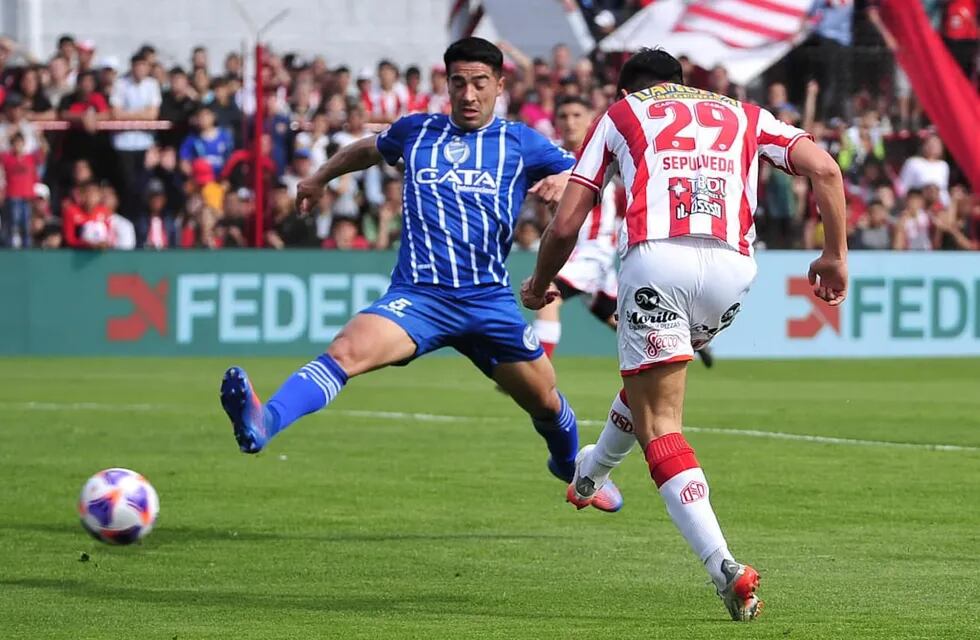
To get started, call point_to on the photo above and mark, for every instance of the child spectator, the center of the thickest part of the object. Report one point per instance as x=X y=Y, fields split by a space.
x=344 y=236
x=209 y=142
x=20 y=171
x=87 y=222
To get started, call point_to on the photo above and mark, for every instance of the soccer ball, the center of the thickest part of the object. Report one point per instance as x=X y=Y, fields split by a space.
x=118 y=506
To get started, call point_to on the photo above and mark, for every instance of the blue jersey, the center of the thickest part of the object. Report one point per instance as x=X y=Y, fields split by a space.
x=462 y=195
x=215 y=150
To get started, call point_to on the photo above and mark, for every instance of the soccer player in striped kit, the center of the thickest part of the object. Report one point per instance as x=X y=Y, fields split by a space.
x=689 y=159
x=466 y=175
x=591 y=269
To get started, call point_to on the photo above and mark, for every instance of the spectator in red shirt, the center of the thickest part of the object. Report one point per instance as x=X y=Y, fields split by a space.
x=418 y=101
x=84 y=109
x=87 y=222
x=238 y=170
x=20 y=170
x=961 y=32
x=344 y=236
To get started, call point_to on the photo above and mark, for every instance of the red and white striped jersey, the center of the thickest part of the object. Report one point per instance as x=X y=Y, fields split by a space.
x=602 y=224
x=386 y=104
x=689 y=161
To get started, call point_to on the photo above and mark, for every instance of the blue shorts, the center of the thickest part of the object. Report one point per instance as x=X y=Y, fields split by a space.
x=482 y=323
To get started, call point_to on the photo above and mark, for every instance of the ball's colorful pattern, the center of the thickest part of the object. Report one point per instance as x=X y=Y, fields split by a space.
x=118 y=506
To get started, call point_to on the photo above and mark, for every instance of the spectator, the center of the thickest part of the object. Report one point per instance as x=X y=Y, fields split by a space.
x=718 y=82
x=539 y=111
x=123 y=231
x=913 y=229
x=277 y=125
x=928 y=168
x=954 y=228
x=199 y=58
x=135 y=97
x=367 y=181
x=439 y=98
x=157 y=230
x=87 y=222
x=177 y=105
x=45 y=228
x=561 y=62
x=781 y=207
x=108 y=75
x=390 y=100
x=201 y=83
x=15 y=121
x=299 y=169
x=85 y=50
x=233 y=65
x=827 y=54
x=228 y=115
x=161 y=164
x=20 y=171
x=66 y=48
x=232 y=229
x=315 y=141
x=874 y=229
x=384 y=231
x=209 y=142
x=238 y=170
x=59 y=85
x=342 y=85
x=291 y=227
x=418 y=101
x=204 y=183
x=961 y=33
x=344 y=236
x=35 y=99
x=862 y=143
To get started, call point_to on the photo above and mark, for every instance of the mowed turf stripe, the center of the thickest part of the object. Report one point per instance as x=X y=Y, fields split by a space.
x=434 y=417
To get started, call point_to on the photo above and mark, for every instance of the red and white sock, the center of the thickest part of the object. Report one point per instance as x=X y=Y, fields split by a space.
x=614 y=444
x=549 y=333
x=682 y=484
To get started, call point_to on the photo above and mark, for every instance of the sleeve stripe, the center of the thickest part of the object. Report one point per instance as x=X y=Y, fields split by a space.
x=585 y=182
x=789 y=151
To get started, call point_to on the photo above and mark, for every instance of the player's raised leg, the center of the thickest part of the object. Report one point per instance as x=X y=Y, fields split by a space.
x=532 y=385
x=656 y=398
x=367 y=342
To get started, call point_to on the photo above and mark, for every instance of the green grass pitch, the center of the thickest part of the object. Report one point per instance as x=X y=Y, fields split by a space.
x=355 y=525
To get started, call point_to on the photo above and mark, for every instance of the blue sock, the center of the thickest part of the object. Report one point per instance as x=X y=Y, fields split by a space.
x=561 y=434
x=310 y=389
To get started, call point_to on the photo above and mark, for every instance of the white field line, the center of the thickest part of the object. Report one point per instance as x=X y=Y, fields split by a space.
x=435 y=417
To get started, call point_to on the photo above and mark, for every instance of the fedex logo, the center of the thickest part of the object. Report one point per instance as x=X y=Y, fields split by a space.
x=821 y=314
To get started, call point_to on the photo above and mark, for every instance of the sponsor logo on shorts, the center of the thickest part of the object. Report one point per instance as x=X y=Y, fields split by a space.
x=622 y=422
x=397 y=307
x=730 y=313
x=646 y=298
x=660 y=342
x=531 y=341
x=660 y=319
x=693 y=491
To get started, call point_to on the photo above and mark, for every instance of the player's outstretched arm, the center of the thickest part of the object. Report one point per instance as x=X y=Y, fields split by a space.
x=828 y=273
x=557 y=244
x=354 y=157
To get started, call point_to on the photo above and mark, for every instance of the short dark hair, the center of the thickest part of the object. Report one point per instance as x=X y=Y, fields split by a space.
x=648 y=67
x=177 y=71
x=65 y=39
x=138 y=57
x=387 y=63
x=475 y=50
x=579 y=100
x=914 y=192
x=413 y=71
x=147 y=49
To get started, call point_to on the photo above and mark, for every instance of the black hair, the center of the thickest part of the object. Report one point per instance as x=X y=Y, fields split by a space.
x=387 y=63
x=876 y=203
x=413 y=71
x=147 y=49
x=475 y=50
x=648 y=67
x=177 y=71
x=65 y=39
x=579 y=100
x=913 y=192
x=342 y=69
x=137 y=57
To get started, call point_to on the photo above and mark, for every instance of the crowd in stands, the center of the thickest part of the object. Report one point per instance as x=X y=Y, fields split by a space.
x=82 y=168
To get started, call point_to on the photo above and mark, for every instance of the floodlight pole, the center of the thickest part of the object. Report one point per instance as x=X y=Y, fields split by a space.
x=258 y=195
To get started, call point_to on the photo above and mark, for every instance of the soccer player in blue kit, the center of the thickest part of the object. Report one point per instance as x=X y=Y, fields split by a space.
x=466 y=176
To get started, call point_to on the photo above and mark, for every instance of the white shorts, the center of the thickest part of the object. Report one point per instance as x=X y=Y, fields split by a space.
x=674 y=296
x=591 y=269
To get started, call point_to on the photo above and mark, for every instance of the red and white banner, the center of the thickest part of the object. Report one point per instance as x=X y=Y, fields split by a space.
x=746 y=36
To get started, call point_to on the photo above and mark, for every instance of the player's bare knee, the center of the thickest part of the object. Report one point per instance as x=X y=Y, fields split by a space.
x=346 y=354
